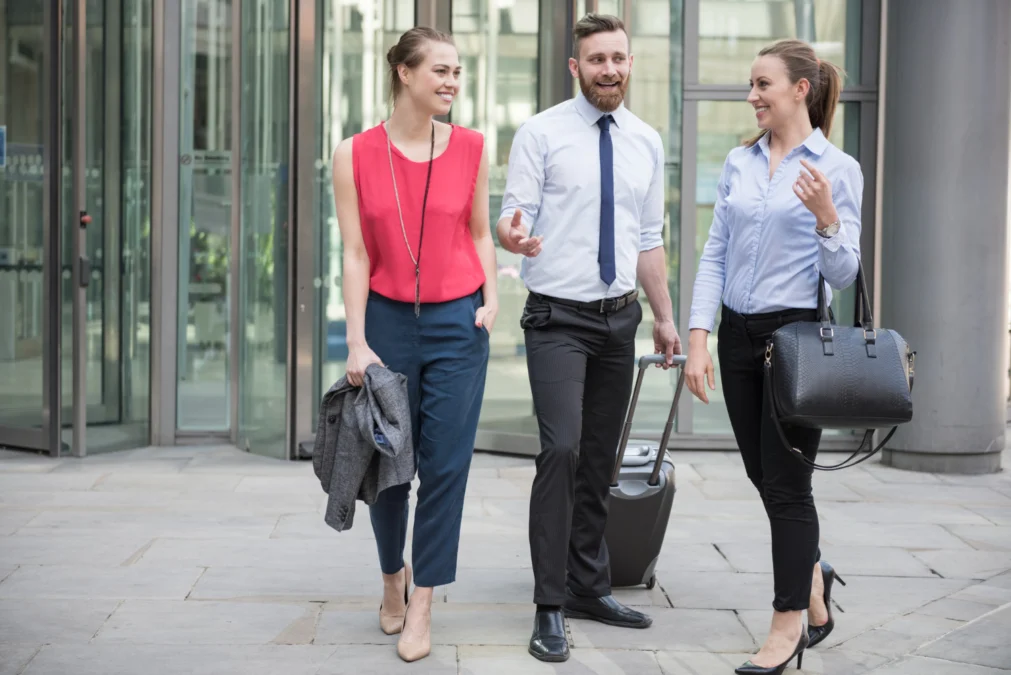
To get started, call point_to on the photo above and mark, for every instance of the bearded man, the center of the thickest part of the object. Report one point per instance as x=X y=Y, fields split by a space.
x=587 y=177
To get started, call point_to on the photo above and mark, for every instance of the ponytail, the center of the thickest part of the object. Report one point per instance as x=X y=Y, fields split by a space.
x=823 y=97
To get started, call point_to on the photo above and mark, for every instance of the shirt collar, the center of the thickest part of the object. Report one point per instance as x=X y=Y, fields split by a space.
x=591 y=114
x=816 y=143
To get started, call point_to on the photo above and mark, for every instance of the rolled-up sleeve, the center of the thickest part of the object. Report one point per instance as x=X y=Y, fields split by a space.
x=839 y=255
x=707 y=292
x=651 y=232
x=525 y=177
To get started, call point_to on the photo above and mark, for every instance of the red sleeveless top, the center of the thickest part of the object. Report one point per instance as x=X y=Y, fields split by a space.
x=450 y=267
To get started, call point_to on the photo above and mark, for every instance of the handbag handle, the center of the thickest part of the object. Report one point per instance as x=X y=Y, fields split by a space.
x=862 y=314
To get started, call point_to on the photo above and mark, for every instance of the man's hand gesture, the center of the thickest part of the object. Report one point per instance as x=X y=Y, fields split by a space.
x=516 y=239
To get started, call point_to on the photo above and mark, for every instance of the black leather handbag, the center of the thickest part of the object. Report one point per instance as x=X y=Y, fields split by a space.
x=825 y=376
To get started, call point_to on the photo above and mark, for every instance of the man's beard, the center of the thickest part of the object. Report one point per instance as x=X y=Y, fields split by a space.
x=605 y=101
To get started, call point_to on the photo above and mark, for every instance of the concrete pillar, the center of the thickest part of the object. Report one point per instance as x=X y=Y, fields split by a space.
x=944 y=282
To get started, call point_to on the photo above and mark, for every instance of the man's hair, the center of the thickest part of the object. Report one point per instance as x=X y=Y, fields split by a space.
x=591 y=24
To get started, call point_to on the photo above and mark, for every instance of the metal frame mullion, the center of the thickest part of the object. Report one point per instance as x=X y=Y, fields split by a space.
x=167 y=20
x=300 y=413
x=735 y=92
x=52 y=315
x=689 y=226
x=235 y=244
x=79 y=326
x=554 y=46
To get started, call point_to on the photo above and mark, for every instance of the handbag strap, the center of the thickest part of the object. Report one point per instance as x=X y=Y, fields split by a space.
x=846 y=463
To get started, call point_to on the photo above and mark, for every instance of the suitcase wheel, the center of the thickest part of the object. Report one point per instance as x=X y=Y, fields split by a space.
x=651 y=583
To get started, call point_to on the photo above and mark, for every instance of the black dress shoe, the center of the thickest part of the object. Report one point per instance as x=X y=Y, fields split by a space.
x=605 y=610
x=749 y=668
x=816 y=634
x=548 y=641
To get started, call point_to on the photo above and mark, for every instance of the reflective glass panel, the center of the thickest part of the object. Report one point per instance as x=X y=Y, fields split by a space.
x=731 y=33
x=352 y=39
x=497 y=43
x=23 y=114
x=263 y=261
x=205 y=215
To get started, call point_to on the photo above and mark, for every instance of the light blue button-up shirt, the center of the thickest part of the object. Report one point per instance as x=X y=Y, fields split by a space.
x=763 y=253
x=554 y=179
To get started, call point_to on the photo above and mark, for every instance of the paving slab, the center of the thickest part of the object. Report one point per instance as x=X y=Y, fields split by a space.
x=373 y=660
x=14 y=656
x=40 y=621
x=966 y=564
x=178 y=622
x=121 y=523
x=63 y=549
x=847 y=560
x=925 y=666
x=984 y=537
x=900 y=635
x=512 y=660
x=31 y=582
x=981 y=642
x=920 y=514
x=329 y=552
x=12 y=519
x=127 y=659
x=672 y=630
x=904 y=535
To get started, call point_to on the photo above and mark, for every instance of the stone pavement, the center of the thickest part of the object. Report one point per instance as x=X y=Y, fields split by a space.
x=209 y=560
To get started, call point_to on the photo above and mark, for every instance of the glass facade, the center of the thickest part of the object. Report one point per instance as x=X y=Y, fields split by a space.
x=263 y=91
x=498 y=52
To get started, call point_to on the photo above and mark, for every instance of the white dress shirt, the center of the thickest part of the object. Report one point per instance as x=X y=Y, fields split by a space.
x=554 y=179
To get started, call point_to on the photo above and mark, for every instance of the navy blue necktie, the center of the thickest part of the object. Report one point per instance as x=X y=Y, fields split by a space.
x=605 y=257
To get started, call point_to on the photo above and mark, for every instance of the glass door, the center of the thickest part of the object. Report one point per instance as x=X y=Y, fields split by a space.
x=30 y=50
x=110 y=167
x=263 y=227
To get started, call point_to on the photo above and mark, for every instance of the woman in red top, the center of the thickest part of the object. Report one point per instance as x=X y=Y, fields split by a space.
x=420 y=296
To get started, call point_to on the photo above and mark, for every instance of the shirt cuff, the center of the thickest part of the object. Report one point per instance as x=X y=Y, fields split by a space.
x=699 y=320
x=832 y=243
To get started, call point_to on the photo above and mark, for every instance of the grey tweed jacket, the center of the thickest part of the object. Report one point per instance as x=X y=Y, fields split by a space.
x=364 y=442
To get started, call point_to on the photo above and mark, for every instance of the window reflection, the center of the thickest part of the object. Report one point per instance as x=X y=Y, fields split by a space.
x=722 y=126
x=732 y=32
x=353 y=39
x=497 y=42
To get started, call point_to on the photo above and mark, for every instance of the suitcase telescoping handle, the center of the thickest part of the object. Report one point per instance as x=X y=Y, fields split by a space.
x=644 y=363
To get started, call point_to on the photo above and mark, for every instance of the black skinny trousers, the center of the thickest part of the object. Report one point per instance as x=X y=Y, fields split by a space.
x=782 y=480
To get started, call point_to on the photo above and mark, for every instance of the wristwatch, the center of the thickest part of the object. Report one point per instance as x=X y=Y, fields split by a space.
x=829 y=231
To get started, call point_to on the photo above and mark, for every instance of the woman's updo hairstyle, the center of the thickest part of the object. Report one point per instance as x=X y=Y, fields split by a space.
x=410 y=52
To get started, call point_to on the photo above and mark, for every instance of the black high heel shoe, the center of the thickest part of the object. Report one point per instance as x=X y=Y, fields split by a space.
x=750 y=668
x=816 y=634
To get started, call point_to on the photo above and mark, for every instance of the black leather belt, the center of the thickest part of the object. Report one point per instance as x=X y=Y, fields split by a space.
x=604 y=306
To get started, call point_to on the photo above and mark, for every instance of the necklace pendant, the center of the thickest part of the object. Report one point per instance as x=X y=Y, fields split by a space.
x=417 y=294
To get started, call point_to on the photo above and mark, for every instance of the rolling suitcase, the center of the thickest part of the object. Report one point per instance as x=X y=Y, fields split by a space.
x=642 y=494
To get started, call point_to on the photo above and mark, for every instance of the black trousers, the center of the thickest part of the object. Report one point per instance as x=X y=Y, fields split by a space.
x=782 y=480
x=580 y=364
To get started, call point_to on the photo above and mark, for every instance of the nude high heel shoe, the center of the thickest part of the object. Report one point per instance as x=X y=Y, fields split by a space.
x=393 y=623
x=412 y=647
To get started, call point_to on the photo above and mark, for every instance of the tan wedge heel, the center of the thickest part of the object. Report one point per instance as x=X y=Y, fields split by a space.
x=389 y=623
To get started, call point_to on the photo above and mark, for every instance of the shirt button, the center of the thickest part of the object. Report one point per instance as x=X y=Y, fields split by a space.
x=331 y=419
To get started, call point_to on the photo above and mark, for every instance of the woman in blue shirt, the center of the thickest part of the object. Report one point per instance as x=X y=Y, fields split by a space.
x=788 y=207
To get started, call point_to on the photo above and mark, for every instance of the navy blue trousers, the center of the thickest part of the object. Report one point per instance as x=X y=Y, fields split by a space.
x=445 y=358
